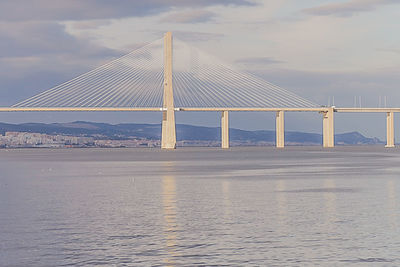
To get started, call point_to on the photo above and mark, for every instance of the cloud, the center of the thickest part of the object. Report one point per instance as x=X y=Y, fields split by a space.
x=27 y=39
x=190 y=36
x=197 y=36
x=90 y=24
x=257 y=61
x=35 y=56
x=191 y=16
x=390 y=50
x=347 y=9
x=98 y=9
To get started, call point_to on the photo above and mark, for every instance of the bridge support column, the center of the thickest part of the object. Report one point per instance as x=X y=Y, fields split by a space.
x=389 y=129
x=328 y=128
x=168 y=135
x=225 y=129
x=280 y=129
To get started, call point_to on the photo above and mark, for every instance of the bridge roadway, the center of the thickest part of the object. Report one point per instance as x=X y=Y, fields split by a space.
x=321 y=109
x=327 y=112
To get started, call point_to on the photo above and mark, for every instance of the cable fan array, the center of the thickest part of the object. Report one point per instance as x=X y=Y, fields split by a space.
x=201 y=80
x=136 y=80
x=133 y=80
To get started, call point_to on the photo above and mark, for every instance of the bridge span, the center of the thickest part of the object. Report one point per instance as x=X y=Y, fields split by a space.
x=148 y=79
x=327 y=115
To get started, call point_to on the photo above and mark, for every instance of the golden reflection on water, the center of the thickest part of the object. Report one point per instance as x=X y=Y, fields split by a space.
x=330 y=202
x=281 y=204
x=170 y=216
x=226 y=199
x=392 y=202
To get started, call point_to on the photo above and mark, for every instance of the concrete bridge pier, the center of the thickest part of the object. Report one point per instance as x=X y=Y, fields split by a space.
x=328 y=128
x=389 y=129
x=280 y=129
x=168 y=132
x=224 y=129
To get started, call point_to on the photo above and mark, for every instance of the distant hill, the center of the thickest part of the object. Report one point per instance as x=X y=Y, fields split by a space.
x=184 y=132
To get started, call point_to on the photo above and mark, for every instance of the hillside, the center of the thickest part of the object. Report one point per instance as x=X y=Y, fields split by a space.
x=184 y=133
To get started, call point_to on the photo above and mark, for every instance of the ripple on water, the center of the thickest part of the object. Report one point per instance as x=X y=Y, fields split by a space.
x=199 y=207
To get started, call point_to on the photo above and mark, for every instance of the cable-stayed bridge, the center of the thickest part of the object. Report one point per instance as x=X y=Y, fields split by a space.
x=168 y=76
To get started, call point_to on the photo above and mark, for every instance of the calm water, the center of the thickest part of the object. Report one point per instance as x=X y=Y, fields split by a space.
x=191 y=207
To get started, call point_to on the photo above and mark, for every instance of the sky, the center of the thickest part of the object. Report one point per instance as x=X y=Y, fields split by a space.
x=328 y=51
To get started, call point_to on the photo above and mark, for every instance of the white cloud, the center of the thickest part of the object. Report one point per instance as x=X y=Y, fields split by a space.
x=189 y=16
x=251 y=62
x=344 y=9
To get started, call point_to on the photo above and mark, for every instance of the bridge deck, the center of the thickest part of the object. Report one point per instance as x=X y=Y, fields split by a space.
x=321 y=109
x=367 y=110
x=13 y=109
x=32 y=109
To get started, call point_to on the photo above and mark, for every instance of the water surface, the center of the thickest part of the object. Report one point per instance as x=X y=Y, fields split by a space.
x=300 y=206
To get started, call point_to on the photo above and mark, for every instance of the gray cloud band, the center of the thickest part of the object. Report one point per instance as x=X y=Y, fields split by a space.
x=19 y=10
x=349 y=8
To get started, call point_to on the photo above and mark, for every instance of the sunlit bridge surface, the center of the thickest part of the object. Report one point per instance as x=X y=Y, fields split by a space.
x=193 y=207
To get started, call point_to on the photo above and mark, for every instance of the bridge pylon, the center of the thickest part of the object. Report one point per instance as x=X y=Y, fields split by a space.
x=328 y=135
x=389 y=129
x=168 y=132
x=280 y=129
